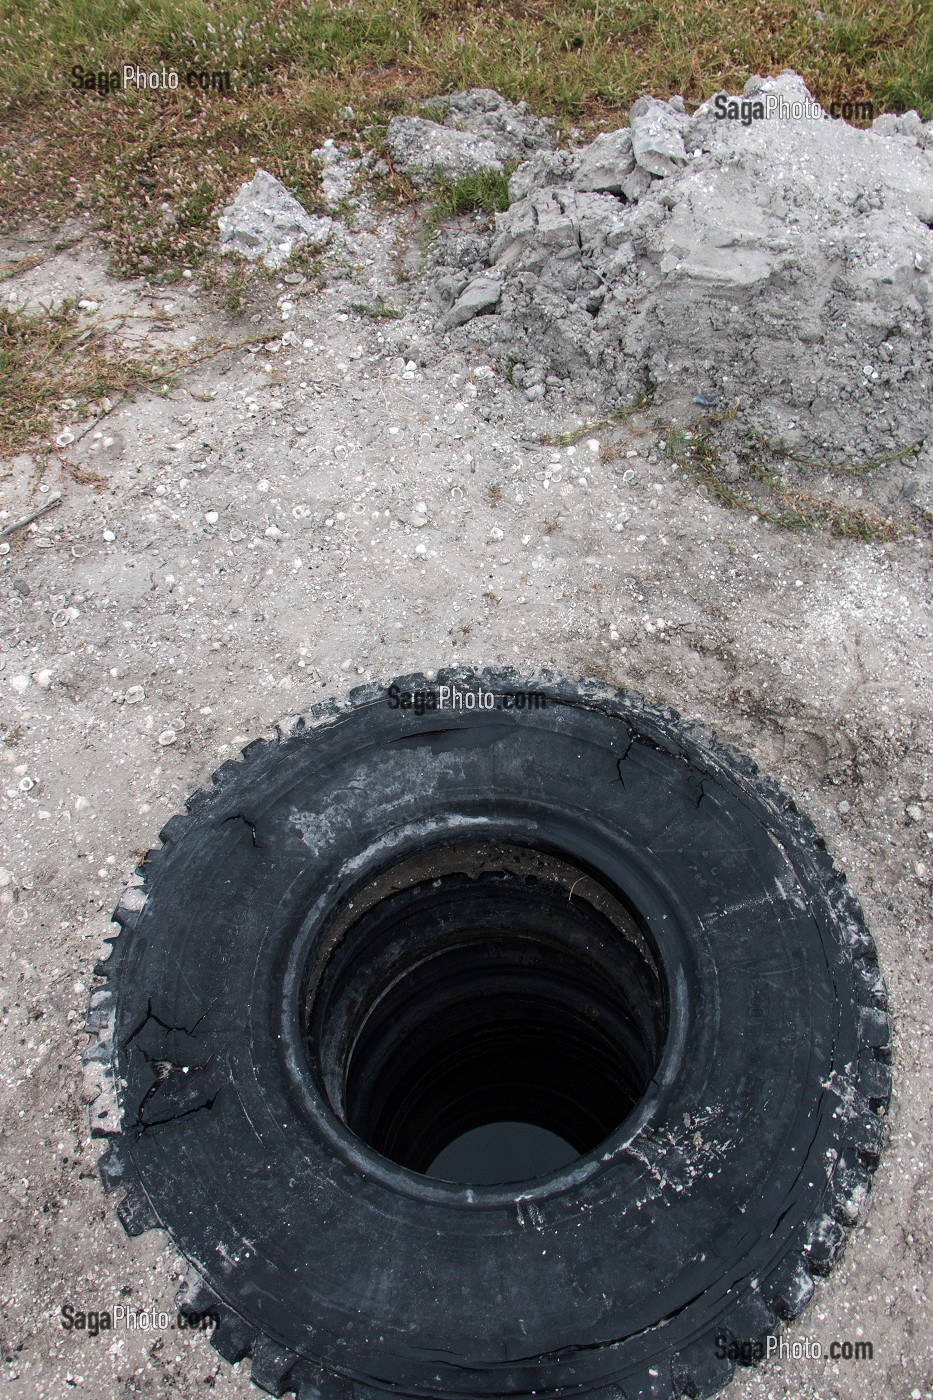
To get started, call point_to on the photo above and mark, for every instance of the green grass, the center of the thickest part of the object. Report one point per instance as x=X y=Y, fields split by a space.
x=483 y=191
x=378 y=311
x=872 y=464
x=622 y=415
x=153 y=168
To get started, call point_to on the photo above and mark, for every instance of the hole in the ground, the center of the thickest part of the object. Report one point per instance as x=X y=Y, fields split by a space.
x=485 y=1014
x=504 y=1151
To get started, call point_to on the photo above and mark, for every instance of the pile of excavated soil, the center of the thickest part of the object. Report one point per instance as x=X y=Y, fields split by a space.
x=770 y=256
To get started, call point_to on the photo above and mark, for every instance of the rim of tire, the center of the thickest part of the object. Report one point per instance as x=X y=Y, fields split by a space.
x=398 y=955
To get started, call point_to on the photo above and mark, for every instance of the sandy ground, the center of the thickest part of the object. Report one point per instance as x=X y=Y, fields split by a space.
x=285 y=523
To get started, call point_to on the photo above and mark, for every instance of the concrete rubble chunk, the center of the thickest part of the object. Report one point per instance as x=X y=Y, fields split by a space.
x=515 y=229
x=553 y=223
x=464 y=134
x=338 y=172
x=786 y=85
x=510 y=126
x=540 y=170
x=265 y=221
x=636 y=184
x=481 y=295
x=657 y=136
x=605 y=162
x=425 y=151
x=556 y=225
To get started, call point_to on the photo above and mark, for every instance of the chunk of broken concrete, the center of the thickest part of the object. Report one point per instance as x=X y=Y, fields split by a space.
x=605 y=162
x=657 y=140
x=265 y=221
x=540 y=170
x=481 y=295
x=464 y=134
x=636 y=183
x=558 y=223
x=510 y=126
x=787 y=85
x=425 y=151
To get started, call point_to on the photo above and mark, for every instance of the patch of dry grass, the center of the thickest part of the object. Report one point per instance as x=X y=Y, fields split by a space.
x=770 y=496
x=56 y=363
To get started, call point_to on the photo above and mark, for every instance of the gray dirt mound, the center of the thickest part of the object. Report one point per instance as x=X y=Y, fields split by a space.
x=756 y=251
x=465 y=133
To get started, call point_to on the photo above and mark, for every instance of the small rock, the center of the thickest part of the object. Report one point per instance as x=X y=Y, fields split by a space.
x=542 y=169
x=657 y=143
x=265 y=221
x=43 y=679
x=603 y=164
x=109 y=536
x=272 y=532
x=211 y=517
x=425 y=152
x=480 y=296
x=914 y=812
x=474 y=131
x=418 y=521
x=19 y=683
x=496 y=534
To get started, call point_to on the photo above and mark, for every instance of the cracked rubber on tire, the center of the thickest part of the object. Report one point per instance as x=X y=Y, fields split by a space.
x=747 y=985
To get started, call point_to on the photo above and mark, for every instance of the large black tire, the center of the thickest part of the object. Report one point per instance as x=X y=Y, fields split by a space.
x=706 y=964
